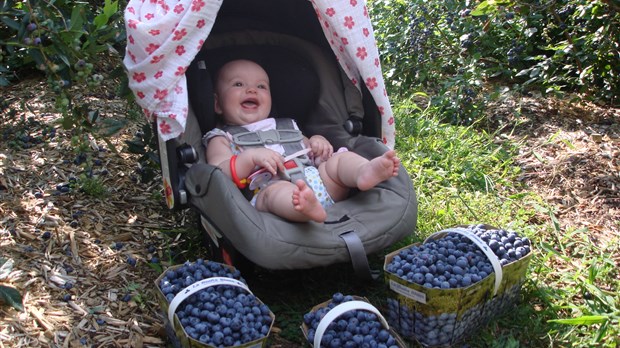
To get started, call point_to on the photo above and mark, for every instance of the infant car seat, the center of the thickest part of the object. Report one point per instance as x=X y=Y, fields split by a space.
x=308 y=85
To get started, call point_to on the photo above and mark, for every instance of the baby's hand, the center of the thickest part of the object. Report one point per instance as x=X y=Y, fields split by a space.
x=268 y=159
x=320 y=147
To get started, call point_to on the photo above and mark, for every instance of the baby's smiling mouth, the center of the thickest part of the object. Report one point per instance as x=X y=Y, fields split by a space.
x=250 y=103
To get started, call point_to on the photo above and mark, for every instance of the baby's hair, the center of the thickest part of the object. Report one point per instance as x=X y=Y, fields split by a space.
x=218 y=72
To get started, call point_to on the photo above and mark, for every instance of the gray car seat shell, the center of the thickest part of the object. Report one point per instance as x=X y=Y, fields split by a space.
x=376 y=218
x=379 y=217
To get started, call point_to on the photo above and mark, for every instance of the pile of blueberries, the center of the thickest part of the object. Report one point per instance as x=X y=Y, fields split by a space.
x=221 y=315
x=507 y=245
x=454 y=261
x=355 y=328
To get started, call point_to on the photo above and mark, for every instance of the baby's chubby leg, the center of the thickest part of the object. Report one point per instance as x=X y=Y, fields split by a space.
x=378 y=170
x=294 y=202
x=350 y=170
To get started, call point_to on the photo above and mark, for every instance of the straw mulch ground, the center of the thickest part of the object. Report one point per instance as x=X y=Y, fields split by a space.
x=72 y=253
x=570 y=155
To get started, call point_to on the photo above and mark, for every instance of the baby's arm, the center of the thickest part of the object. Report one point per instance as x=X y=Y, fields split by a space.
x=219 y=154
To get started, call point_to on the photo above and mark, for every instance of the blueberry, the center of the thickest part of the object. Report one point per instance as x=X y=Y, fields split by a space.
x=132 y=261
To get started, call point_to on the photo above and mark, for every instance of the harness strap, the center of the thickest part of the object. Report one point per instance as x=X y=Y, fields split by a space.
x=289 y=147
x=359 y=260
x=285 y=135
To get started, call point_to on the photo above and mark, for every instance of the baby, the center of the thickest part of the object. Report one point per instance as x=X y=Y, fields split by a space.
x=243 y=98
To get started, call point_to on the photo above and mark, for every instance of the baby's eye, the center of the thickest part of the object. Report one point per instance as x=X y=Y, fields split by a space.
x=263 y=87
x=238 y=84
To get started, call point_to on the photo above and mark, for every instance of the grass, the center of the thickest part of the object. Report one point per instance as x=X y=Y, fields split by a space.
x=570 y=297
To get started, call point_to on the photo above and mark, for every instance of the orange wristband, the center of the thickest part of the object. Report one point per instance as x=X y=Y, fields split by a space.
x=233 y=173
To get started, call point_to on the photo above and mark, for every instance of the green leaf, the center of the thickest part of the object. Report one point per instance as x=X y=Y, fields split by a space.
x=93 y=116
x=11 y=297
x=108 y=127
x=489 y=6
x=482 y=9
x=538 y=156
x=583 y=320
x=10 y=23
x=136 y=146
x=101 y=20
x=523 y=72
x=77 y=18
x=110 y=8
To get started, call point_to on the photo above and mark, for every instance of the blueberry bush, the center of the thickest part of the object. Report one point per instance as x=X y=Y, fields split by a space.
x=455 y=51
x=76 y=47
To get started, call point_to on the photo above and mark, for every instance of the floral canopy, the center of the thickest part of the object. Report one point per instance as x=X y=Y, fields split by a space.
x=164 y=36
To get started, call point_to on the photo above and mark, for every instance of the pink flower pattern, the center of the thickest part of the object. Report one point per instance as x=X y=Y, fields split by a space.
x=361 y=53
x=348 y=22
x=181 y=26
x=139 y=76
x=164 y=127
x=371 y=83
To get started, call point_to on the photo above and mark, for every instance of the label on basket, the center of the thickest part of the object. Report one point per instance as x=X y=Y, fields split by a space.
x=408 y=292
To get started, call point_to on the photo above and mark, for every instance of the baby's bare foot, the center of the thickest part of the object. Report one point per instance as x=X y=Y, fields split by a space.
x=306 y=203
x=378 y=170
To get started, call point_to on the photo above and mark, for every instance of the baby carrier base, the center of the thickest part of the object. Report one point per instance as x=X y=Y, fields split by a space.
x=307 y=85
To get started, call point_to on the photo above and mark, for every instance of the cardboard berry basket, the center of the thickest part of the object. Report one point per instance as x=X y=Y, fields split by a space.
x=358 y=303
x=177 y=334
x=442 y=317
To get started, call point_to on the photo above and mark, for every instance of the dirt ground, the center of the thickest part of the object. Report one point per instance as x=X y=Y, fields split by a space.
x=73 y=253
x=570 y=156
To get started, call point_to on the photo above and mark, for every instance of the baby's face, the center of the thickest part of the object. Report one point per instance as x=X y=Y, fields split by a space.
x=242 y=93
